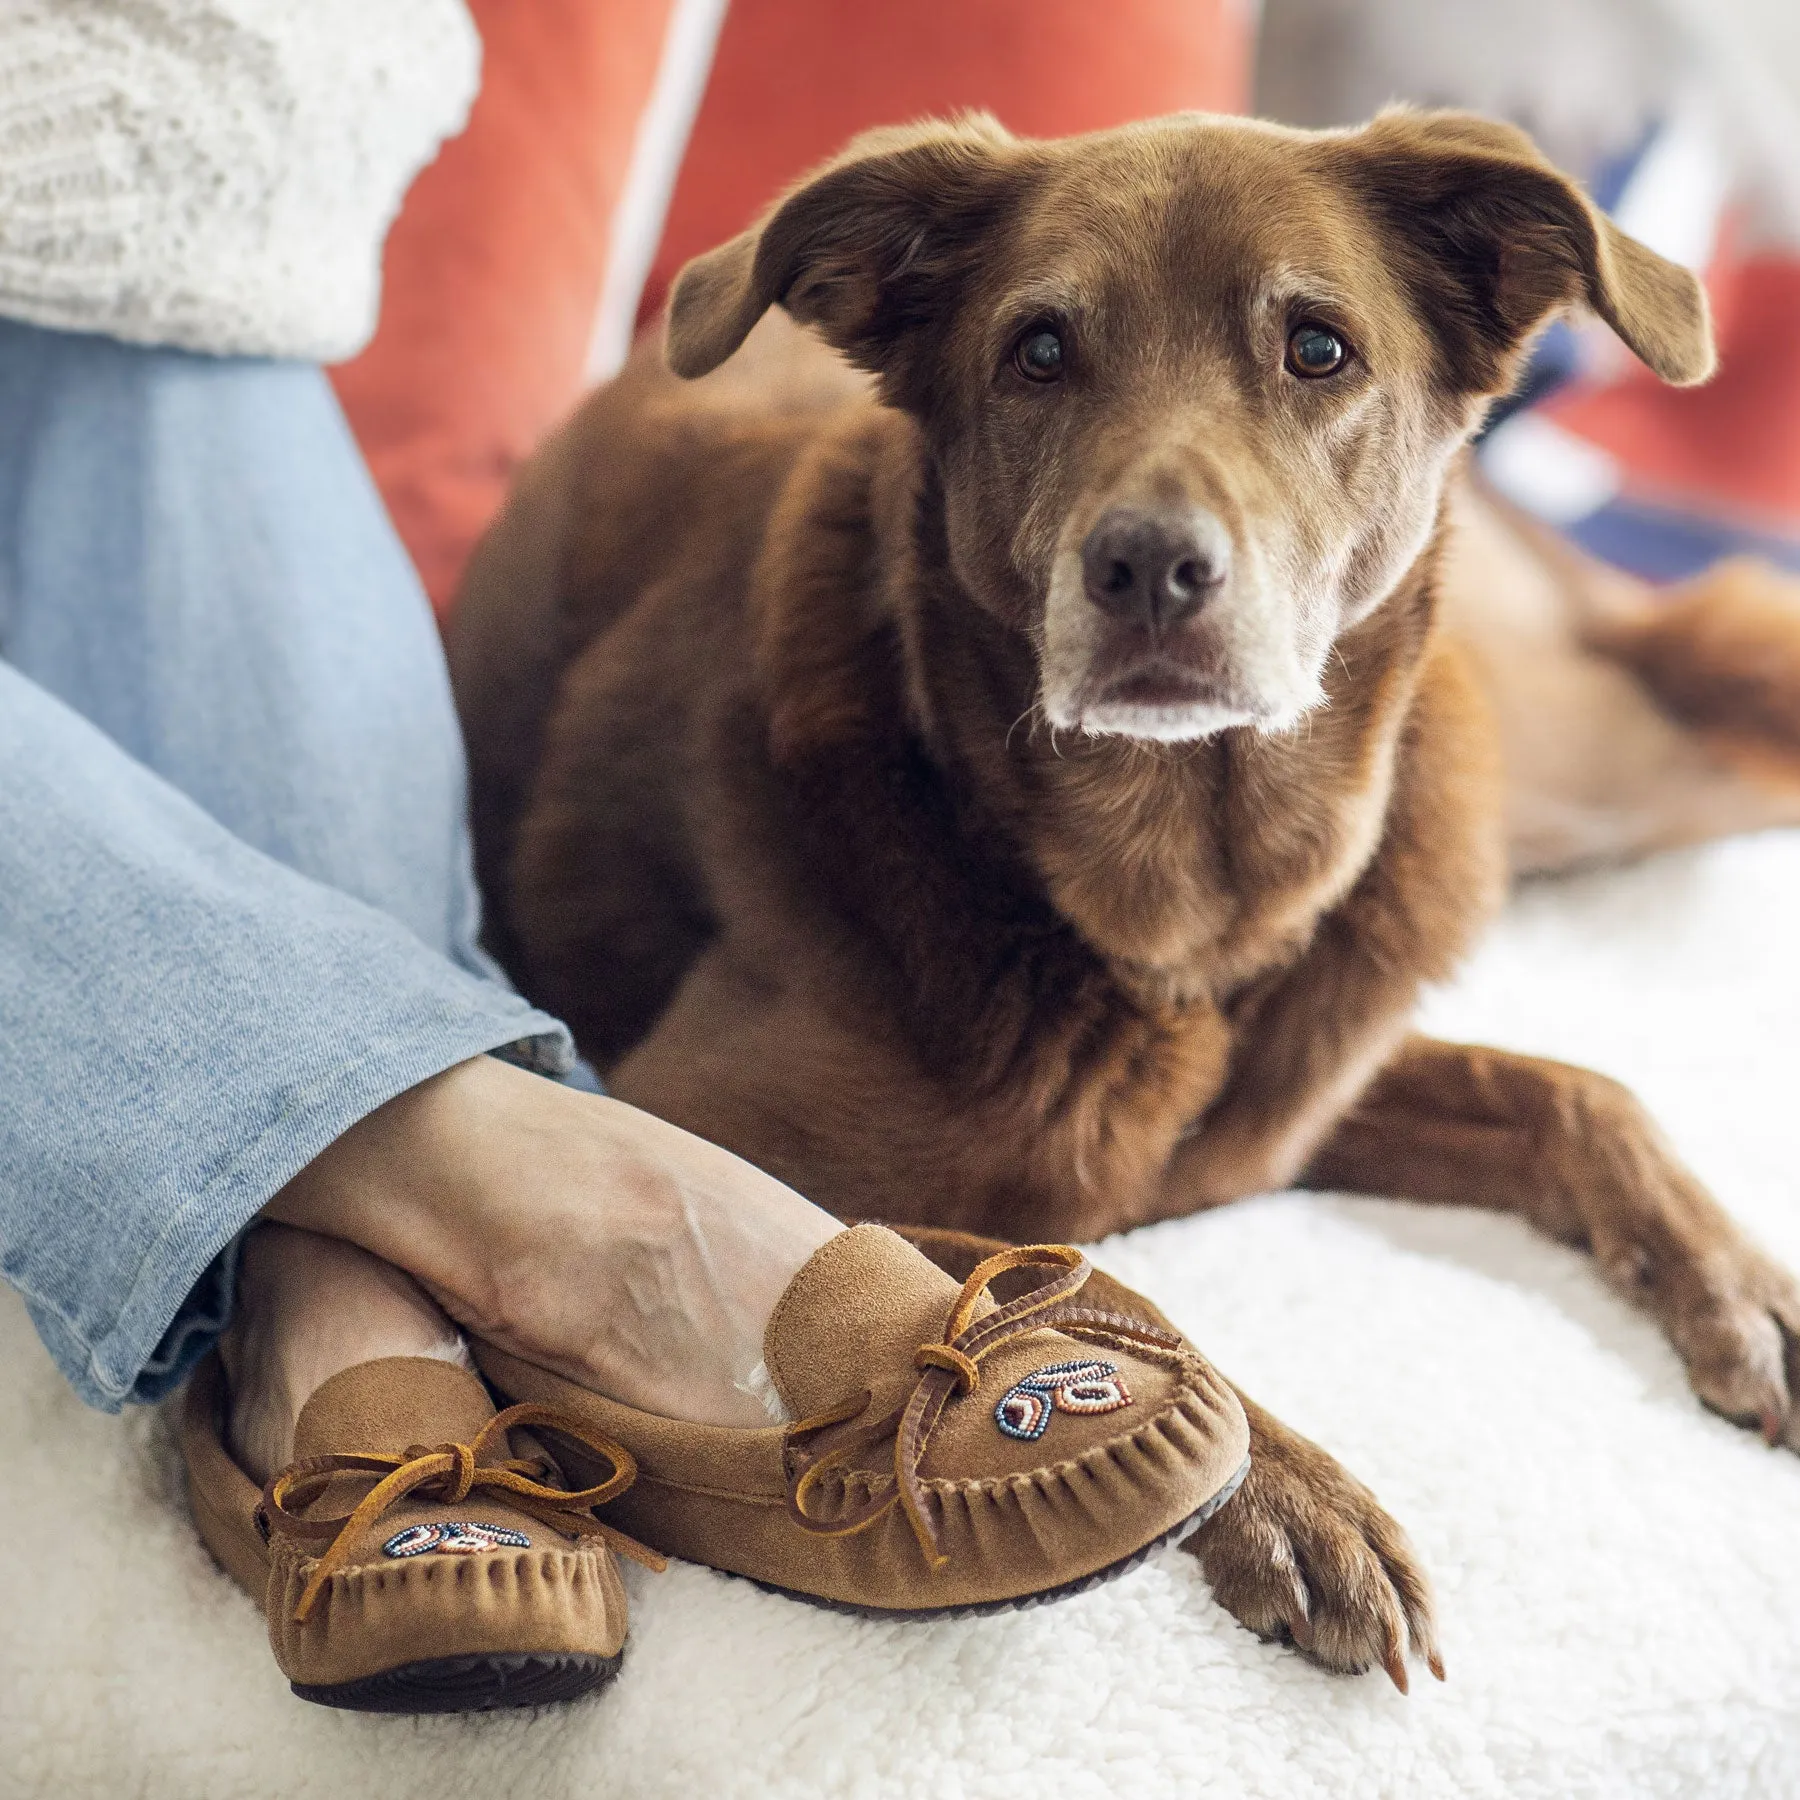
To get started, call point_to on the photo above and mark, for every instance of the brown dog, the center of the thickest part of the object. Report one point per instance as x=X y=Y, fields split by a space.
x=1029 y=796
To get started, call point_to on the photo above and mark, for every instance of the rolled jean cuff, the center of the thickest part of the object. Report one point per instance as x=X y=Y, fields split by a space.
x=180 y=1299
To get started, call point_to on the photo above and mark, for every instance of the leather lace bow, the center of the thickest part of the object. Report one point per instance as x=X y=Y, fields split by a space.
x=952 y=1366
x=448 y=1473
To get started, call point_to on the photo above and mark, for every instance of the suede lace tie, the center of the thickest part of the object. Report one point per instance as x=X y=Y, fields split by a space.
x=448 y=1473
x=816 y=1446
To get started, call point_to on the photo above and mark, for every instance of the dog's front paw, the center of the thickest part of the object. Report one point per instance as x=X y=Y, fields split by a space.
x=1732 y=1313
x=1304 y=1553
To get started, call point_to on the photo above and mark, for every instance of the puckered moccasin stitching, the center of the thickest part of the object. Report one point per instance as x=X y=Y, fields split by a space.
x=867 y=1494
x=453 y=1576
x=445 y=1474
x=819 y=1446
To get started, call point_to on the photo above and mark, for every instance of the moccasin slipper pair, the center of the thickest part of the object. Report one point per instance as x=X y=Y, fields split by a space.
x=956 y=1446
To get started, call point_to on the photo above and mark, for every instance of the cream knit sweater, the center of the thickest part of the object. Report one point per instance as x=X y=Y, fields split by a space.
x=217 y=174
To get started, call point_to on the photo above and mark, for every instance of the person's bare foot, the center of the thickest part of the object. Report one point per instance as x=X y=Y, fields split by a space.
x=308 y=1307
x=575 y=1231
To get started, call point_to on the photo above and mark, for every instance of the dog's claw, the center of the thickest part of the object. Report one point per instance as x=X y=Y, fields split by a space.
x=1306 y=1553
x=1435 y=1664
x=1771 y=1428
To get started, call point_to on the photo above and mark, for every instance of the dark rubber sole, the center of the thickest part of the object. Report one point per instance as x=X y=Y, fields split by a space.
x=981 y=1609
x=454 y=1684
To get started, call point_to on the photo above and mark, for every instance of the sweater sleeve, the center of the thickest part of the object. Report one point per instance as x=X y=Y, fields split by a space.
x=217 y=175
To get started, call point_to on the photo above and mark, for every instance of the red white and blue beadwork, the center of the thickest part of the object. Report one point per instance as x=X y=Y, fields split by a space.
x=459 y=1536
x=1072 y=1387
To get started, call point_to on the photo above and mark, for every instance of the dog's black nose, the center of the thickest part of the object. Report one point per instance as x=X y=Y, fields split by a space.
x=1156 y=567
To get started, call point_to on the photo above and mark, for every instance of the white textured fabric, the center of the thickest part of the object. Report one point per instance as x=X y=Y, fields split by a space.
x=217 y=174
x=1617 y=1570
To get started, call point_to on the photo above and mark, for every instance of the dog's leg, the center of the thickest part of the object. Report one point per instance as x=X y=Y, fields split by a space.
x=1306 y=1554
x=1631 y=719
x=1721 y=655
x=1577 y=1155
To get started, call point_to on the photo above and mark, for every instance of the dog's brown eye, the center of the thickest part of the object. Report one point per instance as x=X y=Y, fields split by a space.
x=1038 y=355
x=1313 y=351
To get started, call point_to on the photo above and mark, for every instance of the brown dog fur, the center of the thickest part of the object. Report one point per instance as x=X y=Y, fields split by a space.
x=813 y=792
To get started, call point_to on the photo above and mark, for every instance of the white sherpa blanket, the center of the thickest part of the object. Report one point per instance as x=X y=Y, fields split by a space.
x=1618 y=1573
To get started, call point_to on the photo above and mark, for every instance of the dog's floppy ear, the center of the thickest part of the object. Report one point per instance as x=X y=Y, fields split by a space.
x=1493 y=240
x=865 y=249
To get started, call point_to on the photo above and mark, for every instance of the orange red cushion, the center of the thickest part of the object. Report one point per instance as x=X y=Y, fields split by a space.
x=494 y=269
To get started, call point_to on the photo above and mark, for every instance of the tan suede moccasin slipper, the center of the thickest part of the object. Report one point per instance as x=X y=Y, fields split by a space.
x=956 y=1449
x=418 y=1556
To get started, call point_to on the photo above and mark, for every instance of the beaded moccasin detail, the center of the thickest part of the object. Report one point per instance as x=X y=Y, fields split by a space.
x=892 y=1491
x=382 y=1592
x=462 y=1536
x=1073 y=1387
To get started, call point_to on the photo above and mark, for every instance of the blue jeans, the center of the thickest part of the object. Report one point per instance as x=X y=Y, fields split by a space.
x=236 y=908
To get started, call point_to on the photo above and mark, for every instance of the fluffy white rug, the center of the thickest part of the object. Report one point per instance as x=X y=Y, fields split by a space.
x=1618 y=1572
